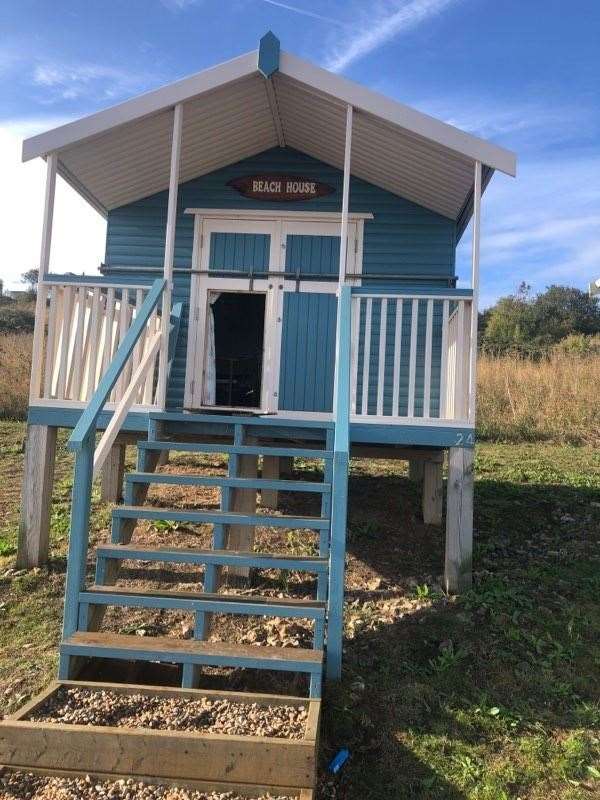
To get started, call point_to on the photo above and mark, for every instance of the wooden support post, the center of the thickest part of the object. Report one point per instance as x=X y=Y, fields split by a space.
x=241 y=537
x=432 y=493
x=111 y=484
x=163 y=458
x=459 y=520
x=270 y=469
x=415 y=470
x=286 y=465
x=36 y=496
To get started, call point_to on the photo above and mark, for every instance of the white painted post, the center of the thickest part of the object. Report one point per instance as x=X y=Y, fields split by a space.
x=345 y=197
x=475 y=287
x=40 y=306
x=459 y=520
x=169 y=253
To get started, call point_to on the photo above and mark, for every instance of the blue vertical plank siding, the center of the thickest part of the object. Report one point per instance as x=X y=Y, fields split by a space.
x=403 y=239
x=239 y=252
x=307 y=352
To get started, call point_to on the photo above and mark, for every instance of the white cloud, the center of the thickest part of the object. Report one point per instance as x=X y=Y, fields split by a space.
x=78 y=231
x=377 y=26
x=72 y=81
x=303 y=12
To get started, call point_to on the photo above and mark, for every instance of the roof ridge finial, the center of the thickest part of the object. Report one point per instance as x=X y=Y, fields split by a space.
x=268 y=54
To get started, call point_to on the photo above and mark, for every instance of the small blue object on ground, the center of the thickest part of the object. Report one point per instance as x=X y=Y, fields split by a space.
x=338 y=761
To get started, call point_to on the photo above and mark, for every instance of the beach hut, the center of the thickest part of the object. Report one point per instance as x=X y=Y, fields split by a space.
x=279 y=283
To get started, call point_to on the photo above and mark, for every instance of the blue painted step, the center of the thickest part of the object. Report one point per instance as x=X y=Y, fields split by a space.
x=229 y=558
x=203 y=602
x=215 y=517
x=191 y=651
x=166 y=478
x=233 y=449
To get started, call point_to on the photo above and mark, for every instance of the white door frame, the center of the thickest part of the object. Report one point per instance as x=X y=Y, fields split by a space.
x=278 y=228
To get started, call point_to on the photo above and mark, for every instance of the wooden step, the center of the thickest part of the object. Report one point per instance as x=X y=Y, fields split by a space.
x=233 y=449
x=229 y=558
x=218 y=517
x=191 y=651
x=167 y=478
x=249 y=605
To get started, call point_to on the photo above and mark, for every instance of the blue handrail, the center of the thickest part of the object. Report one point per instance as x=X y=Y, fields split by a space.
x=87 y=421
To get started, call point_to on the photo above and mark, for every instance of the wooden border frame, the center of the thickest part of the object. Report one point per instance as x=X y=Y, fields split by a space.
x=179 y=756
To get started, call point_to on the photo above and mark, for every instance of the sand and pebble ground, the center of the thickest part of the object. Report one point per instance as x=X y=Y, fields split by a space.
x=27 y=786
x=79 y=706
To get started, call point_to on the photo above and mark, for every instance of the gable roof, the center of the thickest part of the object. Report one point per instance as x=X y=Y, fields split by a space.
x=240 y=108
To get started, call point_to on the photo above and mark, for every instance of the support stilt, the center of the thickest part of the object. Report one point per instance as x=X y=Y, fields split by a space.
x=459 y=521
x=36 y=496
x=270 y=469
x=415 y=470
x=111 y=484
x=433 y=493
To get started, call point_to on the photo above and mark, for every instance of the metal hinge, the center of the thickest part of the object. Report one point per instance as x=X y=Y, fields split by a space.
x=201 y=241
x=356 y=245
x=196 y=314
x=192 y=386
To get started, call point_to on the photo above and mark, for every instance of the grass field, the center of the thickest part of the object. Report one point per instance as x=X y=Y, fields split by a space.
x=490 y=696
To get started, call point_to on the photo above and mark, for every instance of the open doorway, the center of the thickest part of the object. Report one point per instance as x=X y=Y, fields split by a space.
x=239 y=320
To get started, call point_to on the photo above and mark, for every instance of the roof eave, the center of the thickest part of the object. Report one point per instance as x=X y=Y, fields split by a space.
x=138 y=107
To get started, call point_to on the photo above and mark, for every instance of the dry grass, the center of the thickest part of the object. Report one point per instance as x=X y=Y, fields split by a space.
x=554 y=398
x=15 y=366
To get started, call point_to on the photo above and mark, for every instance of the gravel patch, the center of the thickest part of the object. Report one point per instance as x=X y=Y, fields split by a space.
x=78 y=706
x=26 y=786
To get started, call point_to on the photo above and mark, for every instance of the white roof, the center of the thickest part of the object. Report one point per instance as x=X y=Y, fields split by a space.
x=232 y=112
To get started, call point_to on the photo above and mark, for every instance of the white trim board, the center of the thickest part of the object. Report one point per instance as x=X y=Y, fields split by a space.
x=304 y=216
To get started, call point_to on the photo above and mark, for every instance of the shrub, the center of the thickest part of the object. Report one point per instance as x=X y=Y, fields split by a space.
x=17 y=318
x=15 y=365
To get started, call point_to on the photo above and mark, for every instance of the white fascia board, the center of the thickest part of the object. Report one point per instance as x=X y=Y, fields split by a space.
x=142 y=106
x=399 y=114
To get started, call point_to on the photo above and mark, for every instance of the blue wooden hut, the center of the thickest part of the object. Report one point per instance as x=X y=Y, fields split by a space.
x=279 y=282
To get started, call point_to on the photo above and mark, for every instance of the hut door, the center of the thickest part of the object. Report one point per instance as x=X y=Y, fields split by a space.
x=232 y=316
x=307 y=353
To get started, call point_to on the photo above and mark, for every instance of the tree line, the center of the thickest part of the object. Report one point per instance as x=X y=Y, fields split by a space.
x=537 y=323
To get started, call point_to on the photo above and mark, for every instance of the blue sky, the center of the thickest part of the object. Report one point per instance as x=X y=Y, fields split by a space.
x=524 y=73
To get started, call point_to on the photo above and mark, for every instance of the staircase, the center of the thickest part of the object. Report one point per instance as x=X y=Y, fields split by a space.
x=236 y=437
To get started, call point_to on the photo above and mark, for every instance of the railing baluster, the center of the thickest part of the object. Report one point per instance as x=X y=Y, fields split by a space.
x=412 y=370
x=397 y=357
x=65 y=341
x=74 y=384
x=444 y=360
x=382 y=345
x=356 y=304
x=55 y=294
x=92 y=357
x=366 y=358
x=123 y=325
x=427 y=376
x=459 y=386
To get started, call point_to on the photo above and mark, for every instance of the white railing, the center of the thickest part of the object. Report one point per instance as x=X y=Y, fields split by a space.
x=82 y=326
x=410 y=358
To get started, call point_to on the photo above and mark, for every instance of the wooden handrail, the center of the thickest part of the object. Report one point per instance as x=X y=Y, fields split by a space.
x=87 y=422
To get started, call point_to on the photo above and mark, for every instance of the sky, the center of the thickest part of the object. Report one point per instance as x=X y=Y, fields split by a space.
x=522 y=73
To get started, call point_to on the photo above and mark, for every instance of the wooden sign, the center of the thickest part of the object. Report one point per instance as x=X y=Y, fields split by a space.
x=280 y=188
